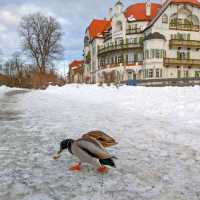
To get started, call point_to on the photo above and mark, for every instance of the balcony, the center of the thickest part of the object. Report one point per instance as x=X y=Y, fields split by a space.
x=184 y=27
x=182 y=62
x=178 y=43
x=120 y=64
x=133 y=31
x=117 y=47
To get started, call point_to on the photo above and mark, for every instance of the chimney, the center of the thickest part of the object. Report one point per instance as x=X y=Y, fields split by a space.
x=110 y=13
x=148 y=8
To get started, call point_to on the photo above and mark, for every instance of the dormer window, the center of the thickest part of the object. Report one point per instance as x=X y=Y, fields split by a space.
x=165 y=19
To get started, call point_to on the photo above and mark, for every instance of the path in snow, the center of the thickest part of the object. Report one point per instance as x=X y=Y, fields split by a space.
x=157 y=130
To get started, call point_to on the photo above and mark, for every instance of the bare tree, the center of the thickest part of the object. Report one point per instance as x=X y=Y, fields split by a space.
x=41 y=39
x=17 y=62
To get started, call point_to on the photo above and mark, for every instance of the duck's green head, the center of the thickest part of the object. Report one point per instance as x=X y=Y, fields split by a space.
x=65 y=144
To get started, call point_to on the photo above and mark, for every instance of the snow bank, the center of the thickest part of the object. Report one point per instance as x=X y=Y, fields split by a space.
x=3 y=90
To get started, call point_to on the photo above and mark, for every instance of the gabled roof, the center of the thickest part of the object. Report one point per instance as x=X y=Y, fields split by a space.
x=167 y=3
x=97 y=27
x=76 y=64
x=138 y=11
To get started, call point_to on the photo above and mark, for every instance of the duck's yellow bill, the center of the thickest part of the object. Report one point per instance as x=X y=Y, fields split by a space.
x=56 y=156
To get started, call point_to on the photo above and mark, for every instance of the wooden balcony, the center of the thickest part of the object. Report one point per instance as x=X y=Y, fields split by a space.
x=133 y=31
x=182 y=62
x=184 y=27
x=118 y=47
x=189 y=44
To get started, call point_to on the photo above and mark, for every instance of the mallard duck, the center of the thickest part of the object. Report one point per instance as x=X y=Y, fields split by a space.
x=88 y=150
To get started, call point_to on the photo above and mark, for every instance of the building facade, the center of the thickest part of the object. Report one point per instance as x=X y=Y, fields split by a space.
x=144 y=41
x=75 y=74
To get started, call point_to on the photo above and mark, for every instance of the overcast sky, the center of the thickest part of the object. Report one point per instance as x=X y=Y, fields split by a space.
x=74 y=16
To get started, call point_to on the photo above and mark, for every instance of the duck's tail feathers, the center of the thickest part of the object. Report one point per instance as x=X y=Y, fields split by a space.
x=108 y=162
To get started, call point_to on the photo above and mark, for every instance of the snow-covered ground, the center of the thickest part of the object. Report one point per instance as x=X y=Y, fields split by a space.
x=158 y=130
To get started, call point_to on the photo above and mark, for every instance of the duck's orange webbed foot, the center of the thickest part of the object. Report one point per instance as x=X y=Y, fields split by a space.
x=76 y=167
x=102 y=170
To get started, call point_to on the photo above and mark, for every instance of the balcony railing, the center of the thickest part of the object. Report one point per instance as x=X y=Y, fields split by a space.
x=182 y=62
x=178 y=43
x=133 y=31
x=184 y=27
x=120 y=47
x=125 y=63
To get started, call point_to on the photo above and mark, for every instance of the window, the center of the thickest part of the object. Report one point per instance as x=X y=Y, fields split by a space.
x=130 y=75
x=181 y=55
x=179 y=73
x=152 y=53
x=121 y=41
x=126 y=59
x=197 y=74
x=119 y=26
x=186 y=74
x=146 y=73
x=115 y=59
x=158 y=53
x=158 y=73
x=150 y=73
x=188 y=55
x=147 y=54
x=120 y=59
x=165 y=19
x=135 y=57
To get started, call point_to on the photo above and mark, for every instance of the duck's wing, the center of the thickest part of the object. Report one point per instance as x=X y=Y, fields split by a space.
x=93 y=148
x=101 y=137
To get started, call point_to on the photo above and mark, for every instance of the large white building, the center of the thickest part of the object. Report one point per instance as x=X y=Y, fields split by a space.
x=146 y=41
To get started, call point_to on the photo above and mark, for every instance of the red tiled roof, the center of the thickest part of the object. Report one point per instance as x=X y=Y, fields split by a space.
x=76 y=64
x=97 y=27
x=193 y=2
x=138 y=11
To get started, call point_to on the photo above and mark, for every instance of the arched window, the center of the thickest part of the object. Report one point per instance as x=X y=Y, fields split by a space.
x=165 y=19
x=194 y=19
x=119 y=26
